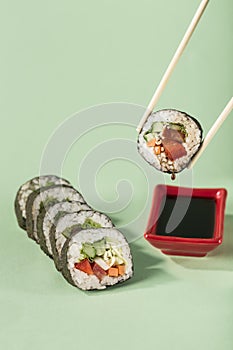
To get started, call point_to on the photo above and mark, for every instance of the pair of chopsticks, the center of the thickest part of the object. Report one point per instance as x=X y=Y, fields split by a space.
x=167 y=75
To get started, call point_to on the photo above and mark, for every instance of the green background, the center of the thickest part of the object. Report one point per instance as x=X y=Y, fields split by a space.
x=60 y=57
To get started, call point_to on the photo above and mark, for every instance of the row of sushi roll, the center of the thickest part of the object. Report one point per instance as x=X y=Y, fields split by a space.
x=86 y=247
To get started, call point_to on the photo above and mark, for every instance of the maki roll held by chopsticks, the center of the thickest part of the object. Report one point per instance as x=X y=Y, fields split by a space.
x=169 y=139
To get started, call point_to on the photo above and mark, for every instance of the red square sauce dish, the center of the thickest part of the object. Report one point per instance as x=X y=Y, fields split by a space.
x=186 y=221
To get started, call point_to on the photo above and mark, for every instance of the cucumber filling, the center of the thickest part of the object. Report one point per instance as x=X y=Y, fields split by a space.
x=101 y=258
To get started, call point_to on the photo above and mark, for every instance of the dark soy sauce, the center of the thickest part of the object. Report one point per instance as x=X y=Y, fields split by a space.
x=197 y=222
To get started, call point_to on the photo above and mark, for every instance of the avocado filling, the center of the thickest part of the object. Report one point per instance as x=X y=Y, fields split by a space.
x=89 y=223
x=48 y=202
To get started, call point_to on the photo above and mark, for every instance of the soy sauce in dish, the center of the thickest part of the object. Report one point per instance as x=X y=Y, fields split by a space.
x=197 y=217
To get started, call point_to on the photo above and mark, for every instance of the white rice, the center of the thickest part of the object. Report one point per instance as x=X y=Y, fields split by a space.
x=33 y=185
x=82 y=279
x=59 y=194
x=191 y=144
x=50 y=215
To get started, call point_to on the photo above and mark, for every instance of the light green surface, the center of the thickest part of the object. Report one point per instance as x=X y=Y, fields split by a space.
x=60 y=57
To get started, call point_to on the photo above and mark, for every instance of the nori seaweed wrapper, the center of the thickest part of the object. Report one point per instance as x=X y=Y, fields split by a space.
x=56 y=257
x=30 y=201
x=41 y=237
x=20 y=219
x=32 y=185
x=64 y=261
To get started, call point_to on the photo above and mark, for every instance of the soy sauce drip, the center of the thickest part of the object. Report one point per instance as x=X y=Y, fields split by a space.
x=173 y=176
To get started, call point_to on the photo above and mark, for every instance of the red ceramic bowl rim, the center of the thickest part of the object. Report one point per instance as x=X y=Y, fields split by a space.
x=218 y=194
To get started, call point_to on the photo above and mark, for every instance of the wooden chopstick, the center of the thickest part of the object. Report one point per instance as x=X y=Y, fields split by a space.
x=173 y=63
x=227 y=110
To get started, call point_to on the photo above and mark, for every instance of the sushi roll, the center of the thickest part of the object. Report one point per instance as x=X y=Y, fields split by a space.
x=47 y=218
x=96 y=258
x=44 y=198
x=169 y=139
x=69 y=223
x=27 y=188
